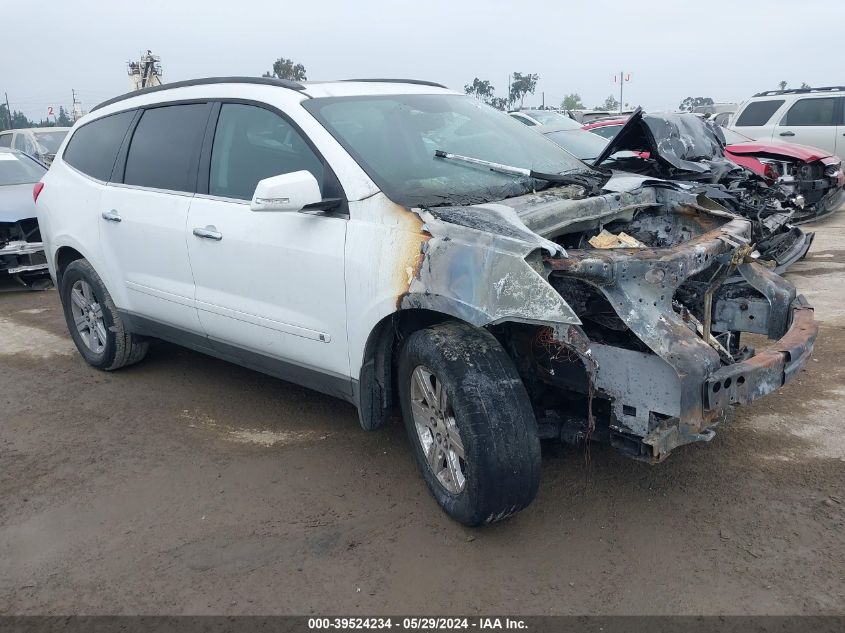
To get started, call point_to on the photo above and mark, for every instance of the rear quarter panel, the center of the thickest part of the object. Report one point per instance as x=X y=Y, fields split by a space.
x=67 y=211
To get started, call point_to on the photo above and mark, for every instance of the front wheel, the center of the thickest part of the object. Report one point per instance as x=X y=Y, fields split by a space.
x=470 y=421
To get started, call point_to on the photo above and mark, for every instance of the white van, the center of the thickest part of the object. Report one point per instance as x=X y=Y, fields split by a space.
x=807 y=116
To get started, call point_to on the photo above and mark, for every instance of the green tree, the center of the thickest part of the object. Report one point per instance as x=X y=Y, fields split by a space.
x=572 y=102
x=693 y=102
x=19 y=120
x=609 y=104
x=522 y=85
x=5 y=119
x=805 y=85
x=480 y=89
x=284 y=68
x=63 y=119
x=500 y=103
x=782 y=85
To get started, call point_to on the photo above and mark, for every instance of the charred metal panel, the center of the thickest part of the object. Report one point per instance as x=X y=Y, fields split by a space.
x=741 y=314
x=777 y=290
x=551 y=216
x=639 y=384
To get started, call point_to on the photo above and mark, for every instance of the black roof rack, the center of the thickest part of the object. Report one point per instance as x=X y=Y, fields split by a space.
x=267 y=81
x=790 y=91
x=419 y=82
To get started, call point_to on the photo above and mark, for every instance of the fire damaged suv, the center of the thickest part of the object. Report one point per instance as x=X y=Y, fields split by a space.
x=409 y=249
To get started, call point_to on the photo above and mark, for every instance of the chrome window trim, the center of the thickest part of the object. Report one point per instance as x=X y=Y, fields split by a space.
x=184 y=194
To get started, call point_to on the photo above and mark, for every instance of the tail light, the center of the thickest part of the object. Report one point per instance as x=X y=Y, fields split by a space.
x=36 y=190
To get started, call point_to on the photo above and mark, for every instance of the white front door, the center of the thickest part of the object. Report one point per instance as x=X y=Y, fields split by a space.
x=269 y=285
x=809 y=121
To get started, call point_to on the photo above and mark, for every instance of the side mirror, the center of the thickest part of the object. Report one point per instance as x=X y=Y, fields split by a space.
x=288 y=192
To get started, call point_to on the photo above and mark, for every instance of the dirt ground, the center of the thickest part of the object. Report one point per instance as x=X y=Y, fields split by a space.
x=189 y=485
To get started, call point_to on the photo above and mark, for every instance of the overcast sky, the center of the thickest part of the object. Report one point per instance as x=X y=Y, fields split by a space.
x=724 y=50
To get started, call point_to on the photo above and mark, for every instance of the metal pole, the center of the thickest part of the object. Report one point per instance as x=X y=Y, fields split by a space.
x=509 y=91
x=621 y=83
x=8 y=110
x=544 y=100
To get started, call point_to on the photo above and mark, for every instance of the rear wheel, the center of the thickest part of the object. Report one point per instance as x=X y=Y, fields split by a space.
x=93 y=320
x=470 y=422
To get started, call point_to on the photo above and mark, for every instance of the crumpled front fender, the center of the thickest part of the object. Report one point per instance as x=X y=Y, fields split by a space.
x=485 y=270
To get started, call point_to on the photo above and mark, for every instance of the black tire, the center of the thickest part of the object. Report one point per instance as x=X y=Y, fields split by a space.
x=121 y=348
x=492 y=412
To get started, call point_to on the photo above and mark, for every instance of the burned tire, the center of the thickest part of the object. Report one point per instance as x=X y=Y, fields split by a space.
x=93 y=321
x=470 y=422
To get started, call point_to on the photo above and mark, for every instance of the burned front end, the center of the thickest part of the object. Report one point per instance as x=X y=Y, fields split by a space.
x=665 y=332
x=22 y=253
x=663 y=297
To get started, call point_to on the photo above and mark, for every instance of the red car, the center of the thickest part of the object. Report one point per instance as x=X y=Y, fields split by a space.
x=605 y=127
x=773 y=160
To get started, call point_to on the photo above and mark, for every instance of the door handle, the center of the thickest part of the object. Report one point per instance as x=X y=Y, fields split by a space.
x=111 y=216
x=208 y=233
x=787 y=133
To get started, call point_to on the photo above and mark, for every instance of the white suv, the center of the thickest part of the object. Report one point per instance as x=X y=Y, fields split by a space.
x=811 y=116
x=403 y=246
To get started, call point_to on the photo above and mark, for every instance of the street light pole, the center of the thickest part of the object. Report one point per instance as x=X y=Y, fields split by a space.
x=622 y=80
x=621 y=84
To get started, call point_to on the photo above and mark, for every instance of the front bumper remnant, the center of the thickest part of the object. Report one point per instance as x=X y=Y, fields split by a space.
x=742 y=383
x=26 y=260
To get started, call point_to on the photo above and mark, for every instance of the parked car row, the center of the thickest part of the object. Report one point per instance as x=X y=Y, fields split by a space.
x=419 y=254
x=21 y=251
x=41 y=143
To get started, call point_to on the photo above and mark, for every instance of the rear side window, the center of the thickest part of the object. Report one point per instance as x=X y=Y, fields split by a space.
x=93 y=148
x=811 y=112
x=165 y=147
x=758 y=112
x=5 y=140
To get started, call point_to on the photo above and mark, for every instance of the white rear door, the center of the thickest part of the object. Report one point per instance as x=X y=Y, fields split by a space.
x=143 y=219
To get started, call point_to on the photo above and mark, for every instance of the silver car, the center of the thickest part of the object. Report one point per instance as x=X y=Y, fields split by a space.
x=39 y=142
x=21 y=250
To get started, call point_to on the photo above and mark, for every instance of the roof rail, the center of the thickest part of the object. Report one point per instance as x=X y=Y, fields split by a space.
x=790 y=91
x=419 y=82
x=267 y=81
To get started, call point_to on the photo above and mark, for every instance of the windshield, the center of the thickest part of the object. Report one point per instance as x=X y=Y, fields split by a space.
x=17 y=169
x=585 y=145
x=547 y=117
x=394 y=137
x=607 y=131
x=732 y=136
x=50 y=141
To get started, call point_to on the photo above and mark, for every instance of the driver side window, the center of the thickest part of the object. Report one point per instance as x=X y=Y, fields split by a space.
x=250 y=144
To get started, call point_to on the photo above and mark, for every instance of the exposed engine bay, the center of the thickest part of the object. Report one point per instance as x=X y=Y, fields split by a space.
x=647 y=348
